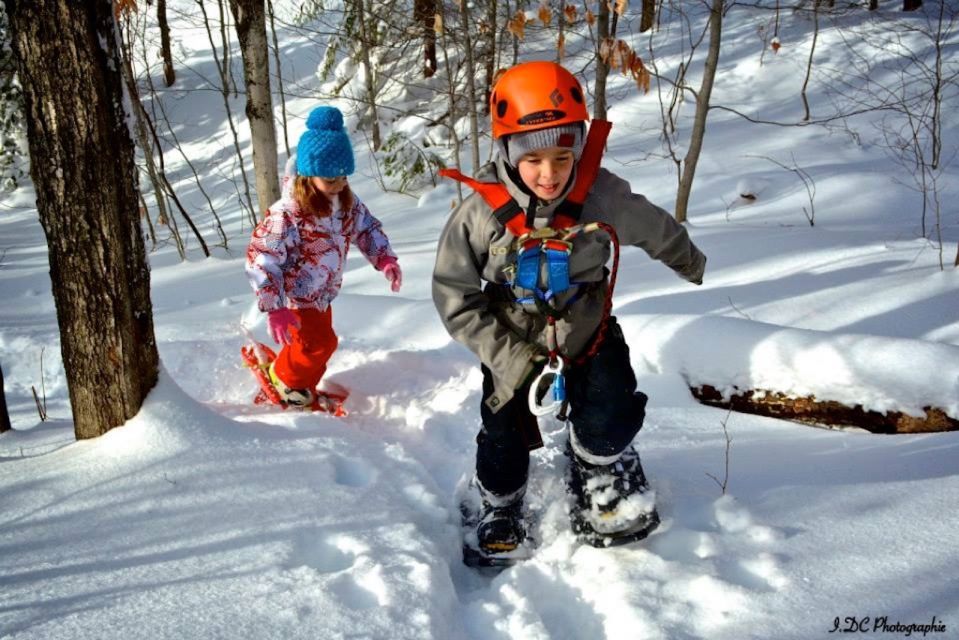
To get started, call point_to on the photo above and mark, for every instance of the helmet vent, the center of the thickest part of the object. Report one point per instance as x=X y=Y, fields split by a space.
x=577 y=95
x=501 y=107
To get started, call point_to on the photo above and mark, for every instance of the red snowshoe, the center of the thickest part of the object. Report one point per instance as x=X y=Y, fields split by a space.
x=258 y=357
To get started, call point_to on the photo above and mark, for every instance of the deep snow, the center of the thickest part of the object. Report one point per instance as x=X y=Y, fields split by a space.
x=206 y=517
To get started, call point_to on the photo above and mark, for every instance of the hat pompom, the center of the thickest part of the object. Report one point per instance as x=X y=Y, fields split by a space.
x=325 y=118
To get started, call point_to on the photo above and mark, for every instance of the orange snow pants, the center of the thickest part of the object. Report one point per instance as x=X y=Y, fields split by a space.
x=301 y=365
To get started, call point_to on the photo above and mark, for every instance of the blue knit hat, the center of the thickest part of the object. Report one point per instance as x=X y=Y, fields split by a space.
x=324 y=149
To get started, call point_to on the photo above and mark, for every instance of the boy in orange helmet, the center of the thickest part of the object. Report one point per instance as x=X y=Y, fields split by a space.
x=521 y=279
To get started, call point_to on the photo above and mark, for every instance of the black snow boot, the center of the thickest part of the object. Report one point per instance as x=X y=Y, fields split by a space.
x=494 y=529
x=612 y=503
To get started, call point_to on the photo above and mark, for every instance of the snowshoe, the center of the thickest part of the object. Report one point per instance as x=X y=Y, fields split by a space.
x=259 y=358
x=493 y=536
x=611 y=504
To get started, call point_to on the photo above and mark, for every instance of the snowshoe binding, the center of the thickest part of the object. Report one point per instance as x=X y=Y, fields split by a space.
x=611 y=504
x=259 y=358
x=494 y=535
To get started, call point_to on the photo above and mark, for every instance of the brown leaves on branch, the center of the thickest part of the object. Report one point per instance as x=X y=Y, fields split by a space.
x=617 y=54
x=544 y=14
x=124 y=8
x=517 y=26
x=571 y=14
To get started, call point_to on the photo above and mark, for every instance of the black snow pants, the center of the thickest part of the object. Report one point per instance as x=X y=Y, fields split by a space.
x=606 y=413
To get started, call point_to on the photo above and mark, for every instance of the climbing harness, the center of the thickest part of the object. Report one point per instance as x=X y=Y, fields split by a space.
x=551 y=246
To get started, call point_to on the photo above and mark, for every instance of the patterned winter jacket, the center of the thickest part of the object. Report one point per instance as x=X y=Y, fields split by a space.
x=480 y=309
x=296 y=259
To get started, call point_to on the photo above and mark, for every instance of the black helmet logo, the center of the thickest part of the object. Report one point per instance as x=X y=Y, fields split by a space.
x=542 y=117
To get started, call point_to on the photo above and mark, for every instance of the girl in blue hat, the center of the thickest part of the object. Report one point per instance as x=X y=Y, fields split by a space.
x=296 y=256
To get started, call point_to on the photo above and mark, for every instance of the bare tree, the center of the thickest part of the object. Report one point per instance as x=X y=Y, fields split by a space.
x=279 y=75
x=648 y=16
x=605 y=31
x=367 y=42
x=169 y=74
x=225 y=79
x=471 y=97
x=4 y=414
x=250 y=16
x=688 y=166
x=812 y=52
x=424 y=14
x=85 y=179
x=920 y=86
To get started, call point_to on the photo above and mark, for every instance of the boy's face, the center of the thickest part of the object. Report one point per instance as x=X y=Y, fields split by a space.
x=546 y=171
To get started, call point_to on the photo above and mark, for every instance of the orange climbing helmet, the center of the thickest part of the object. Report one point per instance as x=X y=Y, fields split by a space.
x=535 y=95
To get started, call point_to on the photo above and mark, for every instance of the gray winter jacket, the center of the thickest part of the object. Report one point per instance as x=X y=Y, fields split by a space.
x=509 y=337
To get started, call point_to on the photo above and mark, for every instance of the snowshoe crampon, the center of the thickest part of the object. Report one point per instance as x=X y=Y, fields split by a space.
x=258 y=357
x=494 y=537
x=611 y=504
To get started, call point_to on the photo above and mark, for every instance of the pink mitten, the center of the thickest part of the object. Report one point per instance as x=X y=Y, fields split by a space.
x=394 y=275
x=279 y=322
x=391 y=269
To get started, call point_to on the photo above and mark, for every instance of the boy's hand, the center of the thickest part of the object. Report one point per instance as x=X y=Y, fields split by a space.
x=279 y=322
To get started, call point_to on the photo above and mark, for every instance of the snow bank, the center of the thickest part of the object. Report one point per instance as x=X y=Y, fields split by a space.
x=880 y=373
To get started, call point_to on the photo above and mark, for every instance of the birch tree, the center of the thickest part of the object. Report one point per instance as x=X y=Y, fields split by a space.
x=250 y=17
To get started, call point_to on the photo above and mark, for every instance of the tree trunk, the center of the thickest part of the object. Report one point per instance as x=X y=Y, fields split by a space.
x=169 y=75
x=873 y=5
x=911 y=5
x=424 y=14
x=471 y=97
x=367 y=42
x=250 y=16
x=4 y=414
x=85 y=179
x=702 y=110
x=649 y=16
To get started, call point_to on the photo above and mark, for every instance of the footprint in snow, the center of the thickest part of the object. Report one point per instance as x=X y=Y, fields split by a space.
x=325 y=554
x=360 y=589
x=354 y=473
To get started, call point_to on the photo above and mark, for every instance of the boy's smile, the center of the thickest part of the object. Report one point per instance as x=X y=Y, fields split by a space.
x=545 y=172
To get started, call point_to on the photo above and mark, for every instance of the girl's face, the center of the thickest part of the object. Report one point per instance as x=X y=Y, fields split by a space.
x=545 y=172
x=329 y=186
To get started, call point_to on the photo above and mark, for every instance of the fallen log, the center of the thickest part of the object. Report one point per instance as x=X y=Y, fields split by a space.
x=810 y=410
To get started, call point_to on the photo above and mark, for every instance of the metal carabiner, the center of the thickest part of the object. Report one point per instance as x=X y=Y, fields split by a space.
x=557 y=389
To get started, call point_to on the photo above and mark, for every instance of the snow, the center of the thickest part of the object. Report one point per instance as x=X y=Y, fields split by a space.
x=207 y=517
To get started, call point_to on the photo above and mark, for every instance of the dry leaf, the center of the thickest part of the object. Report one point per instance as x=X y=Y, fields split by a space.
x=517 y=26
x=621 y=6
x=571 y=14
x=640 y=73
x=590 y=18
x=606 y=50
x=438 y=24
x=124 y=7
x=545 y=15
x=775 y=45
